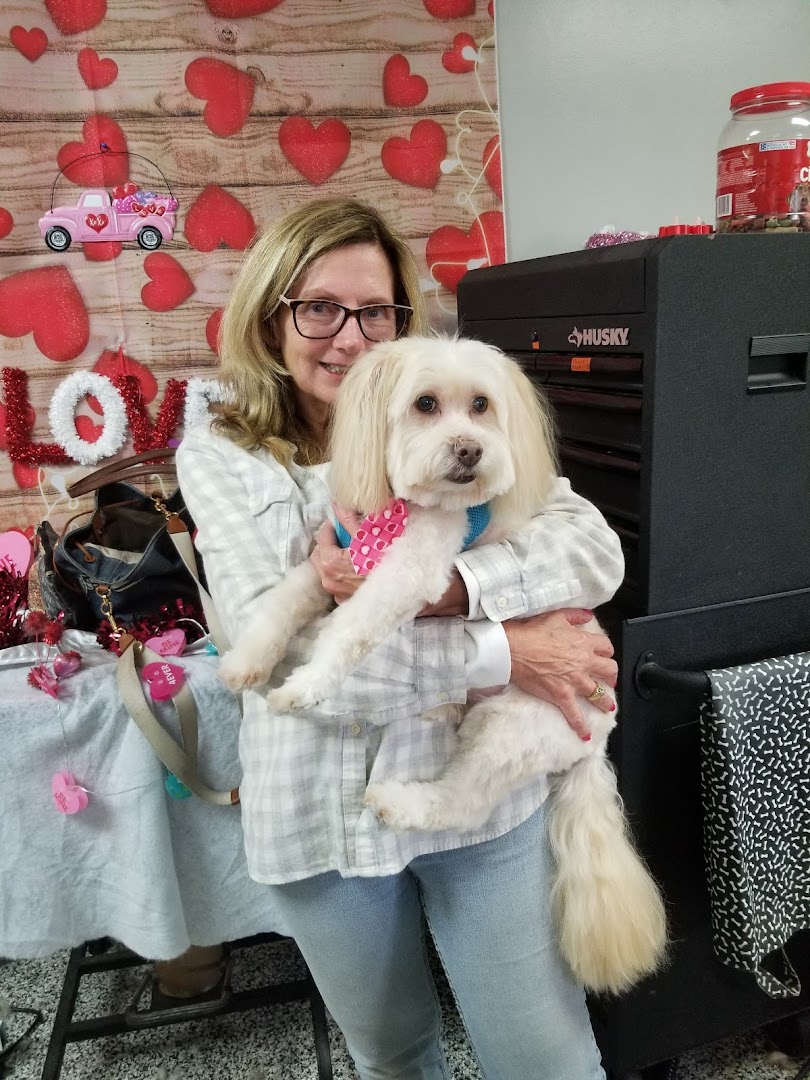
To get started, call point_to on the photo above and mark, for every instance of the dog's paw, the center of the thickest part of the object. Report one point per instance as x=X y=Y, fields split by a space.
x=404 y=805
x=295 y=694
x=240 y=672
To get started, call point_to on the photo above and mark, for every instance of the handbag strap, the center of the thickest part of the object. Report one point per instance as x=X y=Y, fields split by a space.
x=179 y=536
x=179 y=759
x=161 y=458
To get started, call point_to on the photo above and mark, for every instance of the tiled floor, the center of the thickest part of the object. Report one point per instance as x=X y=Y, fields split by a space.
x=266 y=1044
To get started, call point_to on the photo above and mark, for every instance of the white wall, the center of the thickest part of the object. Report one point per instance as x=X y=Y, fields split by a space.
x=610 y=110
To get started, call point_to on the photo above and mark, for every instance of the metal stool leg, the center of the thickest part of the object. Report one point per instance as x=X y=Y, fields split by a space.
x=64 y=1014
x=320 y=1030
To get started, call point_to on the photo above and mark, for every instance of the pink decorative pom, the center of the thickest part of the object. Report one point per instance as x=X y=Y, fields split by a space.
x=608 y=236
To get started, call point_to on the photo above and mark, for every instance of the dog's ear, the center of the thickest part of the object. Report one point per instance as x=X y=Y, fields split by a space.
x=531 y=436
x=359 y=433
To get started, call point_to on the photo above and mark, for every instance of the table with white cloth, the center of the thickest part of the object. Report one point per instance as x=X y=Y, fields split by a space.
x=151 y=871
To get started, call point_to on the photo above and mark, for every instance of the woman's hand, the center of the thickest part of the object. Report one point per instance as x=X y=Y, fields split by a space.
x=554 y=659
x=333 y=562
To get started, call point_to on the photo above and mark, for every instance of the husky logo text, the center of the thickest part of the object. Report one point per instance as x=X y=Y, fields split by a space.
x=607 y=335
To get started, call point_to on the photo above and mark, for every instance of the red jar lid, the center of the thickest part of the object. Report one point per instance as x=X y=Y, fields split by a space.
x=777 y=91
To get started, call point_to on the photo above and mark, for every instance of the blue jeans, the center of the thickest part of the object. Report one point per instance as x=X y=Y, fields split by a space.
x=487 y=907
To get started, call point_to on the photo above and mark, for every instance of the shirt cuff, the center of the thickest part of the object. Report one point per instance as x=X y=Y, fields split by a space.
x=499 y=580
x=473 y=589
x=441 y=675
x=488 y=660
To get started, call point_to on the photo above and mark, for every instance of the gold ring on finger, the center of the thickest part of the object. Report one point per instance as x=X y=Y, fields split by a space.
x=597 y=695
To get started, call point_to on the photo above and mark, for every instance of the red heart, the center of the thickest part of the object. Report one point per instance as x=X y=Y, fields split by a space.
x=46 y=302
x=6 y=223
x=452 y=59
x=31 y=43
x=227 y=91
x=449 y=250
x=97 y=73
x=97 y=222
x=102 y=250
x=239 y=9
x=129 y=188
x=316 y=153
x=400 y=88
x=100 y=170
x=218 y=219
x=74 y=16
x=25 y=476
x=492 y=165
x=450 y=9
x=211 y=331
x=170 y=285
x=418 y=161
x=111 y=364
x=87 y=430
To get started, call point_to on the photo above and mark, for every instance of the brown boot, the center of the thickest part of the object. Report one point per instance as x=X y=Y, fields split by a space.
x=197 y=971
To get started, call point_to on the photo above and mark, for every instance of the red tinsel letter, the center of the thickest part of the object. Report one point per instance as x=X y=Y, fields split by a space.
x=21 y=449
x=145 y=435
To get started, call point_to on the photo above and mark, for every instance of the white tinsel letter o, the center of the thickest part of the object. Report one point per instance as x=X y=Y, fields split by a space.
x=62 y=417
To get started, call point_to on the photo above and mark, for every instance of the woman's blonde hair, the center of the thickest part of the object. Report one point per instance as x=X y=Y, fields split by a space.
x=262 y=408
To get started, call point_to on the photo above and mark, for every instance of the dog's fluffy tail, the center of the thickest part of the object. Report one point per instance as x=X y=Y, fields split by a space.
x=608 y=909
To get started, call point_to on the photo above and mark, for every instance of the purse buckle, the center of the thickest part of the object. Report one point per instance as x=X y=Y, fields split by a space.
x=107 y=610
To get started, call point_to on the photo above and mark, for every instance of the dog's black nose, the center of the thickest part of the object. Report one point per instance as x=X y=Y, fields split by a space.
x=468 y=452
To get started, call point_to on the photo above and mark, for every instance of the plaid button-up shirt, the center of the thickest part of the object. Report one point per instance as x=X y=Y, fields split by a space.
x=305 y=775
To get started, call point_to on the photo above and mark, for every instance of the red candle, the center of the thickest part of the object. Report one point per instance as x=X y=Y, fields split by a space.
x=672 y=230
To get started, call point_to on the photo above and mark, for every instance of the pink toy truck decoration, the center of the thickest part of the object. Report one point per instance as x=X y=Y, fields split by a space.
x=131 y=214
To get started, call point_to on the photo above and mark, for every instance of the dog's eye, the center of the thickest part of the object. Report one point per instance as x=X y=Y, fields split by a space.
x=425 y=403
x=480 y=404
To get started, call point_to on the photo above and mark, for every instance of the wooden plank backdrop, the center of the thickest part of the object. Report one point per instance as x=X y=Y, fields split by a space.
x=298 y=58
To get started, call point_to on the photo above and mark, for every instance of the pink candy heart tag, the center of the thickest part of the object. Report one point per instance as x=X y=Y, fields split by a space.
x=16 y=552
x=68 y=796
x=172 y=643
x=375 y=535
x=165 y=680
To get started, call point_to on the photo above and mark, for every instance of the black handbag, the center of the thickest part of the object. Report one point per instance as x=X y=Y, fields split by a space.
x=124 y=563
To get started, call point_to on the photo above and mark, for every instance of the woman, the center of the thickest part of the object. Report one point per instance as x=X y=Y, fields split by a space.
x=318 y=288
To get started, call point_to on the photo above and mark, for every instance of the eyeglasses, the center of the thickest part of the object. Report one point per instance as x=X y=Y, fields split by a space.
x=324 y=319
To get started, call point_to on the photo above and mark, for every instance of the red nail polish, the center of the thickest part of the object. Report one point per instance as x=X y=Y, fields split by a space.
x=585 y=738
x=613 y=707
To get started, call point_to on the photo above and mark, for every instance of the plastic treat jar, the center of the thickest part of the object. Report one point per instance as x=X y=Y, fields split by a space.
x=763 y=161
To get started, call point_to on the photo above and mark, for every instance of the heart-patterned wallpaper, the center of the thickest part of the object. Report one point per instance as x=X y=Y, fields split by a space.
x=241 y=109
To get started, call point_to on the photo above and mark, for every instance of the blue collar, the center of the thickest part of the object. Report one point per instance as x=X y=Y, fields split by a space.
x=478 y=518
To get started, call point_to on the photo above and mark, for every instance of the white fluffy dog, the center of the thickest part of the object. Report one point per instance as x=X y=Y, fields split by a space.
x=444 y=425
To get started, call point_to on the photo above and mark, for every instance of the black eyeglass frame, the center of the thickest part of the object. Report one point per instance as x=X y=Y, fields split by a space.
x=348 y=312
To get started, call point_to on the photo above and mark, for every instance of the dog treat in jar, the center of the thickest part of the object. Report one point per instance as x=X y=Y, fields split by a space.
x=763 y=161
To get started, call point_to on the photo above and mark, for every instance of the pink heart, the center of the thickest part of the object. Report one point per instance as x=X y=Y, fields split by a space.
x=68 y=796
x=66 y=663
x=16 y=553
x=172 y=643
x=165 y=680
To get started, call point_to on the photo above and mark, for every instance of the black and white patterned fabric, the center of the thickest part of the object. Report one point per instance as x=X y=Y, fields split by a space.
x=755 y=772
